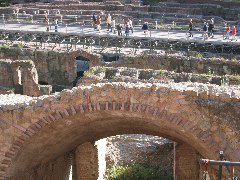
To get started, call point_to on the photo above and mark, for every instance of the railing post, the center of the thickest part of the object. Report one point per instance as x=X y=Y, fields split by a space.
x=220 y=166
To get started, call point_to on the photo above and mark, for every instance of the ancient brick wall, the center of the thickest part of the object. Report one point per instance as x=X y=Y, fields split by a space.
x=187 y=162
x=179 y=64
x=6 y=73
x=86 y=161
x=53 y=67
x=205 y=116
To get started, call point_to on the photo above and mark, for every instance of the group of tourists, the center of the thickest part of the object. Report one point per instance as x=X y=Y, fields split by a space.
x=229 y=31
x=125 y=26
x=208 y=30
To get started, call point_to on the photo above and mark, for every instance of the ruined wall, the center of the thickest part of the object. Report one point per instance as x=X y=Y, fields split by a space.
x=53 y=67
x=6 y=73
x=21 y=76
x=179 y=63
x=86 y=161
x=57 y=169
x=187 y=166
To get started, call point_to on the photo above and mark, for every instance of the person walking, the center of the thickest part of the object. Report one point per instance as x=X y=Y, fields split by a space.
x=145 y=28
x=56 y=25
x=130 y=24
x=113 y=25
x=190 y=28
x=108 y=20
x=205 y=31
x=234 y=33
x=127 y=30
x=211 y=28
x=99 y=22
x=94 y=19
x=48 y=25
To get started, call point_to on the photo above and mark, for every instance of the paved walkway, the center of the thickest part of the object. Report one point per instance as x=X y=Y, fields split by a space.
x=158 y=34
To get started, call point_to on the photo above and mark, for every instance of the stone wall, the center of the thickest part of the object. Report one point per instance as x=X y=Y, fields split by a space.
x=152 y=151
x=6 y=75
x=21 y=76
x=123 y=74
x=177 y=63
x=57 y=68
x=187 y=162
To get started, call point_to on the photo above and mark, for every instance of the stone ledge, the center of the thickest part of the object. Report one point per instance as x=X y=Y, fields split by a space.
x=222 y=93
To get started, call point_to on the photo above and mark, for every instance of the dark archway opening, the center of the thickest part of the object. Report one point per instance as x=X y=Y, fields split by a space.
x=82 y=66
x=110 y=57
x=42 y=83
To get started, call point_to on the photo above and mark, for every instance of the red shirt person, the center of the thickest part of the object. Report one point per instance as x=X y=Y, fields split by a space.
x=234 y=31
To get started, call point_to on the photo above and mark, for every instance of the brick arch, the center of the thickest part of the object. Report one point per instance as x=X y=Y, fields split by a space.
x=94 y=59
x=158 y=116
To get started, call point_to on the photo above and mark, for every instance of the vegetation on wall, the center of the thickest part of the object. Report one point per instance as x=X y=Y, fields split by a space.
x=136 y=172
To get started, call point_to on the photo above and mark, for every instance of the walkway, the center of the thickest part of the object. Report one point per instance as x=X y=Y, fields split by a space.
x=138 y=33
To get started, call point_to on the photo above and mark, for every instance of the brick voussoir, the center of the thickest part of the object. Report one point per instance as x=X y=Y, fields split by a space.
x=18 y=127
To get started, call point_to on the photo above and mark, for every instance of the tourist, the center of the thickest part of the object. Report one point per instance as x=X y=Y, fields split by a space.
x=211 y=28
x=130 y=24
x=56 y=25
x=99 y=22
x=190 y=28
x=228 y=32
x=127 y=30
x=145 y=28
x=48 y=25
x=94 y=18
x=109 y=20
x=234 y=33
x=113 y=25
x=119 y=29
x=205 y=31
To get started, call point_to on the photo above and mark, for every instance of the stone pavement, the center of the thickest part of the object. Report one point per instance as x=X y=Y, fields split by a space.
x=138 y=32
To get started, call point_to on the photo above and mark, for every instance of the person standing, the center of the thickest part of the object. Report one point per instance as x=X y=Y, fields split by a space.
x=228 y=32
x=119 y=29
x=190 y=28
x=234 y=33
x=127 y=30
x=109 y=20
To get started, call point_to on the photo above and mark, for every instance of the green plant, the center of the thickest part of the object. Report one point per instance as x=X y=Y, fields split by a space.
x=199 y=56
x=210 y=72
x=136 y=172
x=20 y=45
x=4 y=46
x=94 y=70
